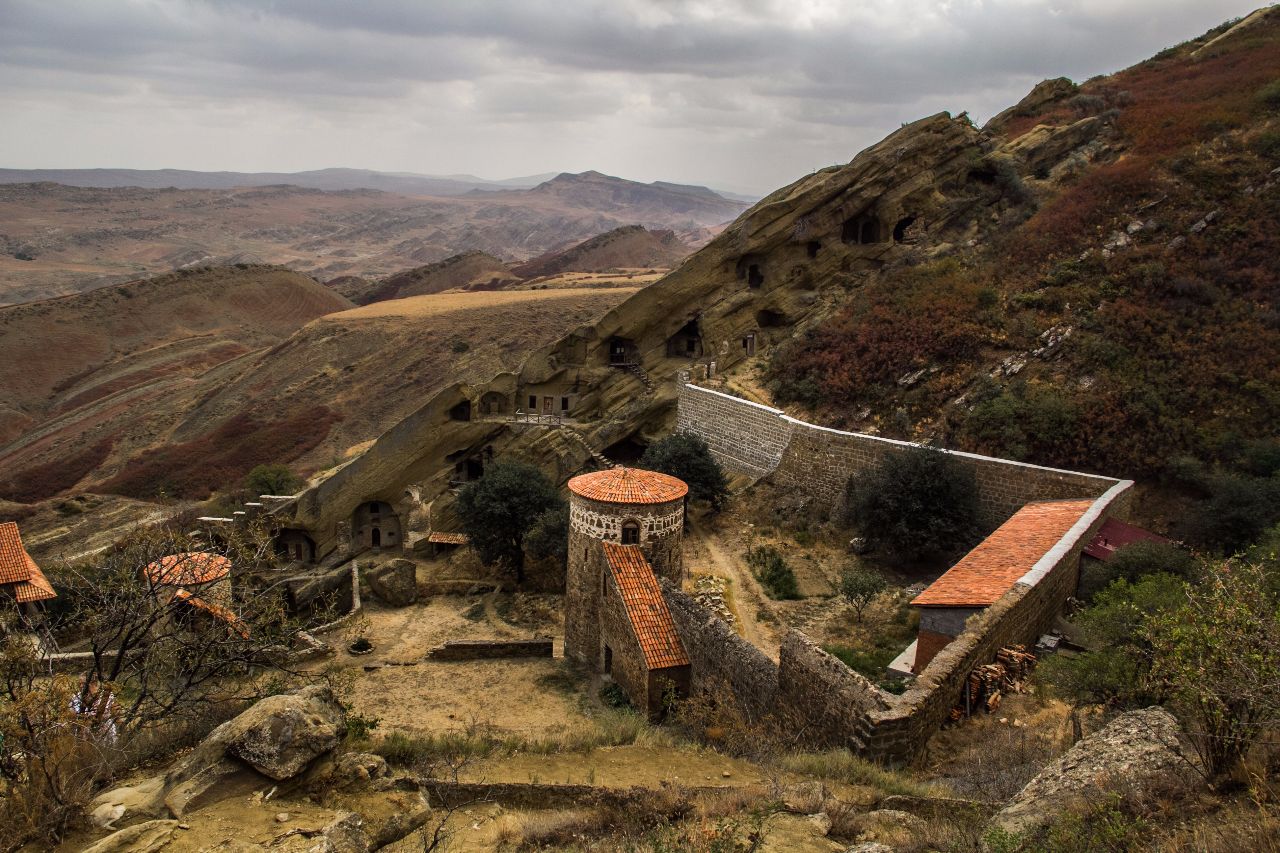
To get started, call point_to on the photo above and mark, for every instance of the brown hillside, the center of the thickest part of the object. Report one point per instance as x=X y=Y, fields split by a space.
x=340 y=381
x=467 y=271
x=630 y=247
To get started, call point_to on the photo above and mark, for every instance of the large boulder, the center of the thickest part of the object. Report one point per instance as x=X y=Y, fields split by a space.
x=394 y=582
x=281 y=735
x=278 y=737
x=1134 y=753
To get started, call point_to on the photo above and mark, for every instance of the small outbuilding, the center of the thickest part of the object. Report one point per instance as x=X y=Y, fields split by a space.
x=21 y=581
x=1114 y=535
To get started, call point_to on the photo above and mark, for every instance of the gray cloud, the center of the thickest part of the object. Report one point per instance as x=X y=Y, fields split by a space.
x=746 y=93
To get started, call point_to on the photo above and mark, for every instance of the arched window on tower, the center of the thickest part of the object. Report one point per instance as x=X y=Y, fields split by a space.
x=630 y=533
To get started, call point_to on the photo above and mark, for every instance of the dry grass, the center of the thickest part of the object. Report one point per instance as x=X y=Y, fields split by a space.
x=436 y=304
x=841 y=765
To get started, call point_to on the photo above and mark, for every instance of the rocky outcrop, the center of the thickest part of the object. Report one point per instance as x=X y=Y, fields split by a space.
x=1134 y=753
x=394 y=582
x=281 y=735
x=140 y=838
x=1045 y=93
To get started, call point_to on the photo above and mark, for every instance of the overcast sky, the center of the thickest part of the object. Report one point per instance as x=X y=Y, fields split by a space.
x=739 y=94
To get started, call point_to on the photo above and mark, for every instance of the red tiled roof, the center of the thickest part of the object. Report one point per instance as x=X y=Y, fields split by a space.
x=188 y=569
x=18 y=570
x=628 y=486
x=216 y=610
x=449 y=538
x=995 y=565
x=37 y=588
x=646 y=608
x=1114 y=535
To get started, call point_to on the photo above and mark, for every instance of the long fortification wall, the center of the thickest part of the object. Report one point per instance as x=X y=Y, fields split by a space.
x=752 y=439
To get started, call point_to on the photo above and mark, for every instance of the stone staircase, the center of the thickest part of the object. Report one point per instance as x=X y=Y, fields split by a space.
x=578 y=437
x=638 y=372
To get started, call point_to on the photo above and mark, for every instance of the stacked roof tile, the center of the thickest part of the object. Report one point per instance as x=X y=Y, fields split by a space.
x=645 y=606
x=216 y=610
x=448 y=538
x=992 y=568
x=188 y=569
x=18 y=571
x=628 y=486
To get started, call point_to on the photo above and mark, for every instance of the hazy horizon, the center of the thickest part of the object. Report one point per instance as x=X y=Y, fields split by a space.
x=740 y=95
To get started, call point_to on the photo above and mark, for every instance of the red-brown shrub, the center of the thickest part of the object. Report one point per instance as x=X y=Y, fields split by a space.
x=222 y=457
x=48 y=479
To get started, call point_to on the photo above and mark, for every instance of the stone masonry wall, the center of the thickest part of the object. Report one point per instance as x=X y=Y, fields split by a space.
x=823 y=700
x=722 y=664
x=753 y=439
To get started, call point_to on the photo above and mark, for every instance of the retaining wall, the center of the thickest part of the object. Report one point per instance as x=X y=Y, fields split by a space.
x=752 y=439
x=540 y=647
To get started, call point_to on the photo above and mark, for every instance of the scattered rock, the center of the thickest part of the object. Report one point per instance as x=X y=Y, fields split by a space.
x=821 y=823
x=1204 y=223
x=1117 y=240
x=358 y=767
x=283 y=817
x=141 y=798
x=912 y=378
x=139 y=838
x=858 y=545
x=1176 y=243
x=1138 y=750
x=346 y=834
x=394 y=582
x=870 y=847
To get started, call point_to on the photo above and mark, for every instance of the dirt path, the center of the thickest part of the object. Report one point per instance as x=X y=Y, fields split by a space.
x=711 y=558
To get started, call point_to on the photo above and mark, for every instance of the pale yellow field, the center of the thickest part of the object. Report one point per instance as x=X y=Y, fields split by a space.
x=445 y=303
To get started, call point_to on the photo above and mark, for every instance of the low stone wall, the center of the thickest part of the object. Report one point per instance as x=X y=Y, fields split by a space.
x=722 y=664
x=818 y=461
x=544 y=795
x=539 y=647
x=823 y=701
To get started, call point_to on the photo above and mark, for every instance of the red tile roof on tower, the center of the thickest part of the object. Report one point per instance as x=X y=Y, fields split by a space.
x=1114 y=535
x=646 y=608
x=628 y=486
x=188 y=569
x=995 y=565
x=18 y=570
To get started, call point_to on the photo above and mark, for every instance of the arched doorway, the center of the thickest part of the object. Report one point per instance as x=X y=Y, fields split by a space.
x=375 y=524
x=293 y=543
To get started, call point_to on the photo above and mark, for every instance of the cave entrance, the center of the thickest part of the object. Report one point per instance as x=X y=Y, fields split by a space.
x=493 y=403
x=749 y=268
x=813 y=248
x=900 y=234
x=861 y=230
x=687 y=342
x=626 y=452
x=461 y=412
x=749 y=344
x=292 y=543
x=768 y=319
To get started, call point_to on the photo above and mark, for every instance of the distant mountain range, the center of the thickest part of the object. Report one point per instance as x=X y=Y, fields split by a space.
x=402 y=183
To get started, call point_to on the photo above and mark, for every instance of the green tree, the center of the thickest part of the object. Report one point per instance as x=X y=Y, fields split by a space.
x=687 y=456
x=272 y=480
x=500 y=508
x=1218 y=657
x=771 y=569
x=548 y=538
x=921 y=503
x=859 y=586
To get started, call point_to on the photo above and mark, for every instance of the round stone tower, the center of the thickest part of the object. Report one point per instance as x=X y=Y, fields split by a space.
x=626 y=506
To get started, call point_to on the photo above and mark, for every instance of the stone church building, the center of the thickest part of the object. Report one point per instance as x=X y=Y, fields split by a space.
x=625 y=529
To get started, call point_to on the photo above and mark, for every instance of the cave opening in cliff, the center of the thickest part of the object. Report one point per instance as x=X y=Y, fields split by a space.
x=900 y=234
x=295 y=544
x=861 y=230
x=626 y=452
x=493 y=403
x=813 y=248
x=768 y=319
x=755 y=278
x=686 y=342
x=461 y=412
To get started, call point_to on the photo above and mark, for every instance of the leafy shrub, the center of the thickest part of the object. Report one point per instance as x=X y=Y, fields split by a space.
x=1136 y=561
x=359 y=726
x=548 y=536
x=1269 y=95
x=687 y=457
x=613 y=696
x=921 y=503
x=1239 y=509
x=771 y=569
x=273 y=479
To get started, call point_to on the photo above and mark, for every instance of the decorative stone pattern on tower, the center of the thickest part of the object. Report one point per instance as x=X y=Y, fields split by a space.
x=624 y=507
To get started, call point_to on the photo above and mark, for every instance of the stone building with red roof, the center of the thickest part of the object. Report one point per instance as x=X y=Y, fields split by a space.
x=990 y=570
x=625 y=530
